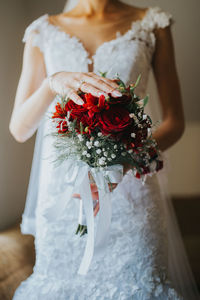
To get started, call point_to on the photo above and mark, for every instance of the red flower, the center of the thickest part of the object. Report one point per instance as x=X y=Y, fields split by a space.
x=88 y=123
x=76 y=111
x=59 y=113
x=137 y=175
x=62 y=127
x=115 y=121
x=94 y=104
x=124 y=99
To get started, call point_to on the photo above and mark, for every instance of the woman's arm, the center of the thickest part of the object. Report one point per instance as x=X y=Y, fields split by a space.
x=33 y=94
x=164 y=68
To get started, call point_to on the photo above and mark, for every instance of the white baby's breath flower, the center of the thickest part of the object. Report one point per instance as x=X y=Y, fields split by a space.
x=88 y=155
x=96 y=143
x=84 y=152
x=149 y=131
x=123 y=153
x=105 y=153
x=89 y=144
x=139 y=114
x=144 y=117
x=99 y=134
x=98 y=151
x=133 y=135
x=131 y=115
x=115 y=146
x=130 y=151
x=80 y=137
x=113 y=155
x=109 y=159
x=101 y=161
x=70 y=127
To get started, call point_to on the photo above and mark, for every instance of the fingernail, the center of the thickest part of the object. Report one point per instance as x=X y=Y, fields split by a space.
x=116 y=93
x=80 y=102
x=102 y=93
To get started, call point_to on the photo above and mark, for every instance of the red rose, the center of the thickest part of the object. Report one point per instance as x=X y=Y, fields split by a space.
x=124 y=99
x=115 y=121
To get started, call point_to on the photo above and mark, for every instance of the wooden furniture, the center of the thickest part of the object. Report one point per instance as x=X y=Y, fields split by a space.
x=17 y=258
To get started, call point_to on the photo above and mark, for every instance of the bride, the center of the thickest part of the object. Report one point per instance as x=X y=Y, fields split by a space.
x=144 y=258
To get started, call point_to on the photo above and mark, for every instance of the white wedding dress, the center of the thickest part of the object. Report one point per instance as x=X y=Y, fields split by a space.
x=135 y=262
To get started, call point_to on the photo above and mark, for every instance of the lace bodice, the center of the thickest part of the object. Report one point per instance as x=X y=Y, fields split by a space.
x=128 y=54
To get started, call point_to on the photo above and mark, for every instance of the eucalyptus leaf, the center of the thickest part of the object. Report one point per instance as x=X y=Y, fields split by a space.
x=137 y=81
x=145 y=101
x=103 y=74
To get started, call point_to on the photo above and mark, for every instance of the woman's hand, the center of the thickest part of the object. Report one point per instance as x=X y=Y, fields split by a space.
x=94 y=190
x=69 y=83
x=95 y=195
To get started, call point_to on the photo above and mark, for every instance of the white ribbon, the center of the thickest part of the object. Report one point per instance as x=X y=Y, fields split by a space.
x=77 y=177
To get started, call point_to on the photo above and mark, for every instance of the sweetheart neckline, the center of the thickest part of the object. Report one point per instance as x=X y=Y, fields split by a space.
x=118 y=35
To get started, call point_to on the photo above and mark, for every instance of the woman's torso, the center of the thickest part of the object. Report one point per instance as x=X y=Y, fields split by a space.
x=127 y=55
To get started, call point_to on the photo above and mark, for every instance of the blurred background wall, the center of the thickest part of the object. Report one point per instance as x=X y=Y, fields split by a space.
x=15 y=158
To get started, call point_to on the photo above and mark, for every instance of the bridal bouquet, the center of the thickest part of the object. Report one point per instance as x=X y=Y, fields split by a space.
x=105 y=132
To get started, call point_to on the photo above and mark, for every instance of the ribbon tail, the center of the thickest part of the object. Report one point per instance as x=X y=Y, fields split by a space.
x=86 y=196
x=105 y=213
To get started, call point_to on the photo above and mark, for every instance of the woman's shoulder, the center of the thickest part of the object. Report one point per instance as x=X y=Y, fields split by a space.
x=157 y=17
x=149 y=18
x=35 y=25
x=36 y=30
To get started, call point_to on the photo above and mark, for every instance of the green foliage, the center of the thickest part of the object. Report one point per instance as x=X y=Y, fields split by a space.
x=145 y=101
x=137 y=81
x=103 y=74
x=108 y=152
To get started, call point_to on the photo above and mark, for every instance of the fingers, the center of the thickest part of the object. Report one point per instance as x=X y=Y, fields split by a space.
x=93 y=187
x=68 y=83
x=88 y=88
x=96 y=209
x=95 y=196
x=102 y=84
x=72 y=94
x=76 y=196
x=112 y=83
x=112 y=186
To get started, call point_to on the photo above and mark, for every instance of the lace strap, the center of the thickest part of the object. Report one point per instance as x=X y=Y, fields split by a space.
x=157 y=18
x=38 y=27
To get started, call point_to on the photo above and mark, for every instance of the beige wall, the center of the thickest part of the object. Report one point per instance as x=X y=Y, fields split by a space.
x=15 y=159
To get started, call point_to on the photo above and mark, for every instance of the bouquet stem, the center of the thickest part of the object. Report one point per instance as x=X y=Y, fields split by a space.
x=82 y=227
